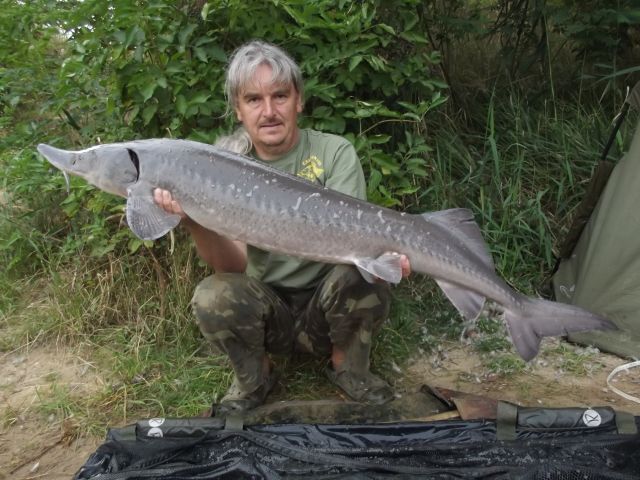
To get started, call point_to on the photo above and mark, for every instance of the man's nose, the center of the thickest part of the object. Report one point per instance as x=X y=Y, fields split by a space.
x=268 y=109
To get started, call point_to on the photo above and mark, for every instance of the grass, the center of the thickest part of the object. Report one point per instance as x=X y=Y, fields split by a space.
x=576 y=360
x=85 y=284
x=522 y=178
x=504 y=364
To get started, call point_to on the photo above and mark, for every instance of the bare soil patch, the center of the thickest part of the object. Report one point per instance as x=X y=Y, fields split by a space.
x=34 y=445
x=546 y=382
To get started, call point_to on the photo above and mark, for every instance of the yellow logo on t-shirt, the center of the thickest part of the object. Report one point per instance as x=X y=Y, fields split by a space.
x=311 y=168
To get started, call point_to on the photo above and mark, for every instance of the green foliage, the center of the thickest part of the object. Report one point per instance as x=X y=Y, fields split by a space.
x=522 y=176
x=536 y=47
x=28 y=55
x=24 y=226
x=602 y=29
x=604 y=34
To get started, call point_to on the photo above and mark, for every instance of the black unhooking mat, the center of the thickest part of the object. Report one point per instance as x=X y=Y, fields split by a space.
x=568 y=444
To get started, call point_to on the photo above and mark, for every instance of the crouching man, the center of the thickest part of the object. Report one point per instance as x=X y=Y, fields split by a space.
x=258 y=302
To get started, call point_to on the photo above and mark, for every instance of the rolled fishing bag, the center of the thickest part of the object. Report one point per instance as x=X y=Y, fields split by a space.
x=527 y=443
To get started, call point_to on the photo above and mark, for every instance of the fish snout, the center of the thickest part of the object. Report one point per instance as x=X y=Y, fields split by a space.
x=62 y=159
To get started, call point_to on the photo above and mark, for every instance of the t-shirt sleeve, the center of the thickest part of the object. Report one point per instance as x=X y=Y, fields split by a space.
x=345 y=172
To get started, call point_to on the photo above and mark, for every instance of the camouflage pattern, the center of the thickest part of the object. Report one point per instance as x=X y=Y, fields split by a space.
x=244 y=318
x=419 y=406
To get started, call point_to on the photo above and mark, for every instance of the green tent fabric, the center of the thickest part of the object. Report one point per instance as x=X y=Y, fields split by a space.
x=603 y=272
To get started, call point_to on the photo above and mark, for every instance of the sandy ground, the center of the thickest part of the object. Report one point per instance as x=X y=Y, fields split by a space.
x=546 y=381
x=34 y=447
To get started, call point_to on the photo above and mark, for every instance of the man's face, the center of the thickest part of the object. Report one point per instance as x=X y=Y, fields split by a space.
x=269 y=112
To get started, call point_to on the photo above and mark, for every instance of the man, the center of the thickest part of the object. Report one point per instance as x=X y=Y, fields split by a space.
x=259 y=302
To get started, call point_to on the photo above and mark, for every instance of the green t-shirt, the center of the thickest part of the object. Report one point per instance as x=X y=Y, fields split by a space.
x=327 y=160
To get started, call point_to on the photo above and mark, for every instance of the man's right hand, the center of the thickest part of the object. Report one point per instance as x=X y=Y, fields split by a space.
x=165 y=201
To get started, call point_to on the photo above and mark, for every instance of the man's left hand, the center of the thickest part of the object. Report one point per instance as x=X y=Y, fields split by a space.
x=406 y=266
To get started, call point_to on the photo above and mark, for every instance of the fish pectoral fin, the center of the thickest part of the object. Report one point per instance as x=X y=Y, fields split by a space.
x=387 y=267
x=468 y=303
x=146 y=219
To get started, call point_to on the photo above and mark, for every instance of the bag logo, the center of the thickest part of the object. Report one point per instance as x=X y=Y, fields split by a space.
x=591 y=418
x=156 y=422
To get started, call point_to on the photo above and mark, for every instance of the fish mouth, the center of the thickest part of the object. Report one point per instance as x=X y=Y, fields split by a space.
x=61 y=159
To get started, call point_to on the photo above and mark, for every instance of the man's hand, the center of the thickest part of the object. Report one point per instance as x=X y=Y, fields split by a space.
x=406 y=266
x=165 y=201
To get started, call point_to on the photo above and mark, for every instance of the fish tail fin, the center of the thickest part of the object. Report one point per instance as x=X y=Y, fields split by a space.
x=543 y=318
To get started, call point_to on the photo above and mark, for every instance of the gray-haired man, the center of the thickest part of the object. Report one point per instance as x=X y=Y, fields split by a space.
x=258 y=302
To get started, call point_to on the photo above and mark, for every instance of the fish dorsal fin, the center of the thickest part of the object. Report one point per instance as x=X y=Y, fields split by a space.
x=146 y=219
x=468 y=303
x=461 y=222
x=387 y=267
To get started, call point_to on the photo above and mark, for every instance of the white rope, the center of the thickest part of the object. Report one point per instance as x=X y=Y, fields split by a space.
x=625 y=367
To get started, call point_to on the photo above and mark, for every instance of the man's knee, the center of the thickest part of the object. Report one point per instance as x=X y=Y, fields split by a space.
x=346 y=291
x=220 y=302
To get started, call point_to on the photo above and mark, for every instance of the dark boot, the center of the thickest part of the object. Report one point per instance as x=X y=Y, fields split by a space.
x=354 y=377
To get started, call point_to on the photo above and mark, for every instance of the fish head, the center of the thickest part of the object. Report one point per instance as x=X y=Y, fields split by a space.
x=112 y=168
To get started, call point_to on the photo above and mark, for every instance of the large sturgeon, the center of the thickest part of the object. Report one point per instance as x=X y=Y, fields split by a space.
x=247 y=200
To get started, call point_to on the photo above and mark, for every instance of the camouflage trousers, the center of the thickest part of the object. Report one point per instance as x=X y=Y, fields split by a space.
x=245 y=318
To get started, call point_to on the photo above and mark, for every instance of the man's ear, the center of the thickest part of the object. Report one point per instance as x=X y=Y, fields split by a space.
x=300 y=104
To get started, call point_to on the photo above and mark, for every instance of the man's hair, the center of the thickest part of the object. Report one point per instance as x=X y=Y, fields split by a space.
x=238 y=142
x=246 y=60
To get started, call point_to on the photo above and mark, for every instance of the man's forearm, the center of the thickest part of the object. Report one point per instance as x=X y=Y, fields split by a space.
x=219 y=252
